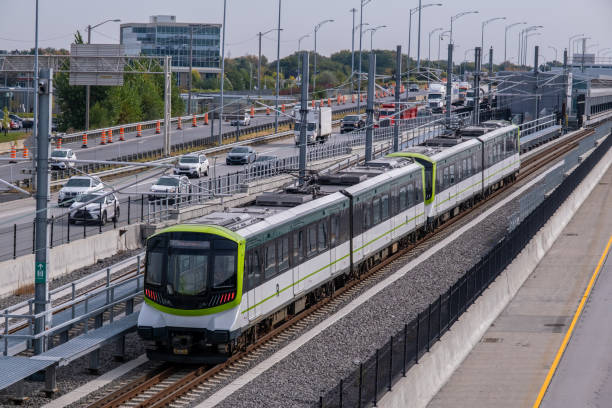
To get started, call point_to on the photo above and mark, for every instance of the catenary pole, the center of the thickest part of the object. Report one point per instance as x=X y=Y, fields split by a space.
x=370 y=107
x=398 y=81
x=449 y=83
x=304 y=118
x=44 y=87
x=476 y=115
x=277 y=68
x=353 y=11
x=220 y=140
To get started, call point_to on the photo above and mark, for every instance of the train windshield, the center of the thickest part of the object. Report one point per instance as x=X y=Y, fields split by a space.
x=191 y=264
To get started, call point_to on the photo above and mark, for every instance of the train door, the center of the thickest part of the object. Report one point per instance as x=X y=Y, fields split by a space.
x=254 y=278
x=298 y=258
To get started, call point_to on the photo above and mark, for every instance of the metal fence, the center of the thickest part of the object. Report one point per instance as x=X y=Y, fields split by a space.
x=378 y=373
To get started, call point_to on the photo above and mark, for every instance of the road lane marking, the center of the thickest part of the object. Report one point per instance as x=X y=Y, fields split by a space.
x=568 y=335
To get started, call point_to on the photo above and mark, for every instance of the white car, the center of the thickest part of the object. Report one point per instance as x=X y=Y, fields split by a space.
x=243 y=121
x=167 y=186
x=194 y=165
x=100 y=210
x=64 y=154
x=78 y=185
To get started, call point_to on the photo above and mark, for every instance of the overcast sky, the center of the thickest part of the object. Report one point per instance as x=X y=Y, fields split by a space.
x=59 y=19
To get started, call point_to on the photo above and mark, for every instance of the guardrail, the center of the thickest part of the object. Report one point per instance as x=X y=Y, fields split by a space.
x=75 y=300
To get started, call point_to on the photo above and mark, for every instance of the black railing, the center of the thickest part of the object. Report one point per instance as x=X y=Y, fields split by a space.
x=377 y=375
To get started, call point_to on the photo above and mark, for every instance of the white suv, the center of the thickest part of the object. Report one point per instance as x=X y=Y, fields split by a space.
x=65 y=155
x=78 y=185
x=194 y=165
x=100 y=209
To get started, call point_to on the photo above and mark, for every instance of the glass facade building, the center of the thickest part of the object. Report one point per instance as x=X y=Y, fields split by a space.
x=164 y=36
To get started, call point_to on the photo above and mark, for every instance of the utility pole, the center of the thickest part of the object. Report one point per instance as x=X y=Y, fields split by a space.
x=419 y=41
x=564 y=107
x=35 y=120
x=359 y=73
x=370 y=107
x=259 y=68
x=222 y=75
x=167 y=104
x=190 y=67
x=583 y=53
x=476 y=115
x=535 y=77
x=490 y=73
x=353 y=10
x=41 y=286
x=277 y=68
x=398 y=81
x=449 y=83
x=304 y=118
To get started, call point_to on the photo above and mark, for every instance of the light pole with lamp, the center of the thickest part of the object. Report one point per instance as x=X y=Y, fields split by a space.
x=362 y=3
x=440 y=37
x=260 y=34
x=412 y=11
x=372 y=31
x=569 y=43
x=314 y=72
x=87 y=87
x=484 y=24
x=526 y=43
x=432 y=32
x=522 y=44
x=554 y=49
x=359 y=26
x=277 y=68
x=456 y=17
x=353 y=11
x=298 y=55
x=508 y=27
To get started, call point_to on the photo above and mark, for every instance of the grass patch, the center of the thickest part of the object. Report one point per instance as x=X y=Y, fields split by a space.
x=12 y=136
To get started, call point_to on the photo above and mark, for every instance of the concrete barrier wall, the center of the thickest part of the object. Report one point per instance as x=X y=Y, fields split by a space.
x=425 y=379
x=17 y=275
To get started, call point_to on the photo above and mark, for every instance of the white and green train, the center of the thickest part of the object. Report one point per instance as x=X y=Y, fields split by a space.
x=214 y=285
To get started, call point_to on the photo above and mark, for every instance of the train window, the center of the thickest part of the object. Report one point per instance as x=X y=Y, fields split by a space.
x=410 y=198
x=187 y=273
x=394 y=201
x=323 y=235
x=334 y=233
x=283 y=253
x=385 y=206
x=376 y=211
x=154 y=267
x=451 y=171
x=417 y=191
x=428 y=182
x=344 y=226
x=445 y=178
x=298 y=247
x=254 y=268
x=312 y=240
x=224 y=274
x=270 y=261
x=367 y=215
x=403 y=203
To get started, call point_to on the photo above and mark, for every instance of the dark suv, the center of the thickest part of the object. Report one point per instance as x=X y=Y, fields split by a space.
x=351 y=122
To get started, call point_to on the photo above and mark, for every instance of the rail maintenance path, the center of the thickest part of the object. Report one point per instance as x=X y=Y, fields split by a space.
x=550 y=347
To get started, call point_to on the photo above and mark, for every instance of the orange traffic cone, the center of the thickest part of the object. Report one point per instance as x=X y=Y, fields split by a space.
x=84 y=145
x=283 y=108
x=194 y=122
x=13 y=154
x=25 y=152
x=157 y=128
x=109 y=136
x=121 y=134
x=313 y=104
x=206 y=118
x=58 y=143
x=103 y=138
x=139 y=130
x=180 y=125
x=252 y=111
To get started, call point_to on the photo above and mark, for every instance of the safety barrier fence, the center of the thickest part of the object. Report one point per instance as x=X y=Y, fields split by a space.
x=377 y=374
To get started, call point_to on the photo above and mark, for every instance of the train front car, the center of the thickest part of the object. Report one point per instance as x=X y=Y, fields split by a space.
x=192 y=294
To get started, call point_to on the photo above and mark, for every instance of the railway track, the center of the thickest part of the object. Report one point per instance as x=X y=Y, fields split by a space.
x=178 y=386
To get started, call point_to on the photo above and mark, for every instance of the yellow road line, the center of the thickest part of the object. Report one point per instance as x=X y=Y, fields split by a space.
x=568 y=335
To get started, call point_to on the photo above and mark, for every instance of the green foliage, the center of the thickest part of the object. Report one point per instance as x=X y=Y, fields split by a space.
x=140 y=98
x=5 y=119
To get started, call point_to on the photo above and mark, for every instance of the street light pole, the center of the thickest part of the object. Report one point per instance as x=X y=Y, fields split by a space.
x=508 y=27
x=440 y=37
x=259 y=62
x=484 y=24
x=299 y=47
x=353 y=10
x=222 y=76
x=362 y=3
x=314 y=73
x=87 y=87
x=277 y=68
x=569 y=43
x=553 y=48
x=432 y=32
x=456 y=17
